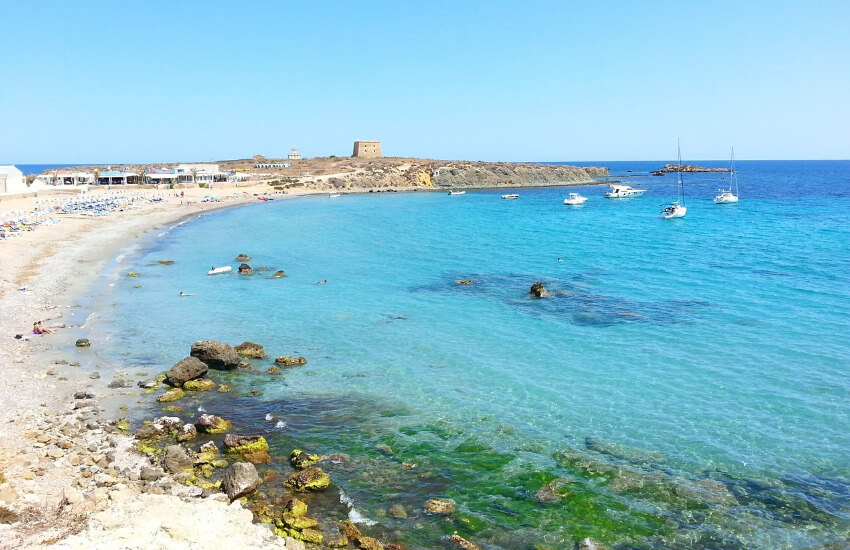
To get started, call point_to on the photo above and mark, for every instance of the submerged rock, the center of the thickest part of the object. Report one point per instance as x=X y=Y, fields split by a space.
x=200 y=384
x=185 y=370
x=295 y=507
x=553 y=492
x=462 y=543
x=245 y=269
x=250 y=349
x=537 y=290
x=171 y=395
x=290 y=361
x=278 y=274
x=589 y=544
x=83 y=343
x=216 y=355
x=240 y=479
x=440 y=506
x=311 y=479
x=165 y=262
x=350 y=530
x=253 y=448
x=243 y=258
x=464 y=281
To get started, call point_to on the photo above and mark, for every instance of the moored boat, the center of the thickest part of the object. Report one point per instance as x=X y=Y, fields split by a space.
x=217 y=270
x=623 y=191
x=575 y=199
x=677 y=208
x=453 y=192
x=510 y=196
x=727 y=196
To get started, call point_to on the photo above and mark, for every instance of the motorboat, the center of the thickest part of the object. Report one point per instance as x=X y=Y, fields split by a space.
x=457 y=192
x=677 y=208
x=623 y=191
x=727 y=196
x=510 y=196
x=575 y=199
x=218 y=270
x=333 y=196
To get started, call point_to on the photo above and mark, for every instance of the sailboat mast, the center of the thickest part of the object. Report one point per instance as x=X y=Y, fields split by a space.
x=733 y=175
x=680 y=190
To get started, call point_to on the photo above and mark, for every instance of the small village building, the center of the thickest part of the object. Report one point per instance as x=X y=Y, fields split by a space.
x=273 y=165
x=117 y=177
x=12 y=180
x=68 y=177
x=200 y=173
x=161 y=175
x=293 y=155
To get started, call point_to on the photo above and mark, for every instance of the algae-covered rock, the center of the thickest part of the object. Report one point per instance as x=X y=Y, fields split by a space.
x=462 y=543
x=165 y=262
x=369 y=543
x=185 y=370
x=312 y=536
x=245 y=269
x=290 y=361
x=83 y=343
x=311 y=479
x=250 y=349
x=301 y=460
x=397 y=511
x=253 y=448
x=243 y=258
x=273 y=370
x=132 y=274
x=553 y=492
x=171 y=395
x=617 y=450
x=350 y=530
x=177 y=459
x=200 y=384
x=440 y=506
x=295 y=507
x=240 y=479
x=216 y=355
x=278 y=274
x=211 y=424
x=224 y=388
x=464 y=281
x=336 y=541
x=187 y=432
x=298 y=522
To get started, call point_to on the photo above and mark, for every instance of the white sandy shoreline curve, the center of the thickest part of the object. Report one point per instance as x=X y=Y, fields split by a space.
x=67 y=480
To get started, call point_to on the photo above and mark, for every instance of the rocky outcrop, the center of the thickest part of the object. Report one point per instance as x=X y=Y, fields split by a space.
x=245 y=269
x=537 y=290
x=311 y=479
x=250 y=349
x=240 y=479
x=253 y=448
x=673 y=168
x=440 y=506
x=243 y=258
x=278 y=274
x=211 y=424
x=301 y=460
x=177 y=459
x=185 y=370
x=171 y=395
x=290 y=361
x=216 y=355
x=200 y=384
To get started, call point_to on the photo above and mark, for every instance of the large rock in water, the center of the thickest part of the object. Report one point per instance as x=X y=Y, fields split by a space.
x=538 y=291
x=250 y=349
x=216 y=355
x=245 y=269
x=185 y=370
x=240 y=479
x=176 y=459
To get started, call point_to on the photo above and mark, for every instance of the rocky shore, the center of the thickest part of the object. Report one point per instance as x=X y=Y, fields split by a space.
x=673 y=168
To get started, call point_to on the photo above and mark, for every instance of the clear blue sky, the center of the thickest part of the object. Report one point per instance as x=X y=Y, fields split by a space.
x=566 y=80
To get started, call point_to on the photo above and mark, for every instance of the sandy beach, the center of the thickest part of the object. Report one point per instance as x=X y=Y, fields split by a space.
x=63 y=468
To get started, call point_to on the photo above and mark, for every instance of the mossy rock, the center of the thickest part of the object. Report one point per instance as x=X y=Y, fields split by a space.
x=312 y=536
x=165 y=262
x=123 y=424
x=250 y=349
x=311 y=479
x=369 y=543
x=224 y=388
x=132 y=274
x=336 y=541
x=290 y=361
x=295 y=507
x=273 y=370
x=350 y=530
x=254 y=449
x=173 y=409
x=299 y=522
x=199 y=384
x=171 y=395
x=160 y=378
x=83 y=343
x=301 y=460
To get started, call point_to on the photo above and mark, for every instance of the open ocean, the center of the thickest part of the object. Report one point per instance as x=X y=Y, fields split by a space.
x=686 y=386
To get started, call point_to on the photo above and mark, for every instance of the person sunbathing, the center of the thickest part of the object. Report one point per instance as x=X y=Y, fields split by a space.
x=38 y=328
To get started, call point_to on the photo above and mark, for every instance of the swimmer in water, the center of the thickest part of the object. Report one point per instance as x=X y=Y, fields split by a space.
x=183 y=293
x=323 y=281
x=560 y=260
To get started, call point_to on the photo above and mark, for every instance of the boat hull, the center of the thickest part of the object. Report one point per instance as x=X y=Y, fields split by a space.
x=219 y=270
x=678 y=212
x=575 y=202
x=725 y=199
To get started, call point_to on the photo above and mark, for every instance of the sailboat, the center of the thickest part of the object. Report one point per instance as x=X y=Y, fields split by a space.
x=726 y=196
x=677 y=209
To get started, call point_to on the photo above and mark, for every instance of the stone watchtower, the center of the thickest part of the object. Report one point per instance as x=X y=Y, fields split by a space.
x=367 y=149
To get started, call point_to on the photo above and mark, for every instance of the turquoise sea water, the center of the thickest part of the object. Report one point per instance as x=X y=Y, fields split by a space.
x=686 y=385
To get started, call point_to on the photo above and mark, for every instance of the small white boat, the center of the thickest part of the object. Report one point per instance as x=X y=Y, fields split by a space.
x=726 y=196
x=677 y=208
x=217 y=270
x=623 y=191
x=510 y=196
x=575 y=199
x=457 y=192
x=333 y=196
x=674 y=210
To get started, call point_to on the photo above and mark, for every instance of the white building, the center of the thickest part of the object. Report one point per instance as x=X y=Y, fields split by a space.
x=293 y=155
x=12 y=180
x=200 y=173
x=68 y=177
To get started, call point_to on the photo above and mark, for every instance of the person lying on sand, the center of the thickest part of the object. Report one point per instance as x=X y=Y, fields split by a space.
x=38 y=328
